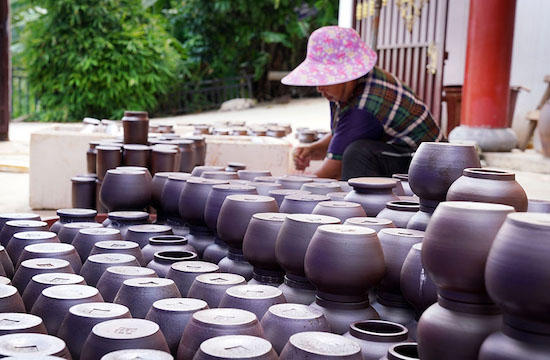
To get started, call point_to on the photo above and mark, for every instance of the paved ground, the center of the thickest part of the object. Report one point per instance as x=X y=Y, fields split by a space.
x=313 y=113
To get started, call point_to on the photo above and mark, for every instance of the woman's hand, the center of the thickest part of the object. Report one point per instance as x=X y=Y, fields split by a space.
x=304 y=154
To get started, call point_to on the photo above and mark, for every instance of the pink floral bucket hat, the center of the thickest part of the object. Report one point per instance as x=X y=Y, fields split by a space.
x=334 y=55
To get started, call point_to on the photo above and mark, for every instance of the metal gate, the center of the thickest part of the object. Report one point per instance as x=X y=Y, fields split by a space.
x=409 y=37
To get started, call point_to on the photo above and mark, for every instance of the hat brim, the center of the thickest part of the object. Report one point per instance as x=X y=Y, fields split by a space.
x=315 y=73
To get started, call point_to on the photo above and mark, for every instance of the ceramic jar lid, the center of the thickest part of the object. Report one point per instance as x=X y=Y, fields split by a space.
x=115 y=245
x=133 y=354
x=343 y=230
x=6 y=291
x=313 y=219
x=111 y=258
x=131 y=271
x=307 y=197
x=370 y=222
x=4 y=217
x=295 y=311
x=404 y=233
x=254 y=292
x=77 y=213
x=49 y=248
x=180 y=305
x=178 y=176
x=45 y=264
x=412 y=206
x=373 y=183
x=26 y=224
x=128 y=215
x=58 y=279
x=19 y=322
x=236 y=346
x=340 y=204
x=321 y=188
x=19 y=344
x=125 y=329
x=195 y=267
x=540 y=221
x=223 y=279
x=99 y=310
x=149 y=228
x=35 y=235
x=225 y=317
x=323 y=343
x=220 y=175
x=232 y=187
x=148 y=282
x=66 y=292
x=100 y=231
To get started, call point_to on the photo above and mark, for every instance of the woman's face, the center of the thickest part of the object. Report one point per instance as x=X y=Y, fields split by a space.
x=337 y=93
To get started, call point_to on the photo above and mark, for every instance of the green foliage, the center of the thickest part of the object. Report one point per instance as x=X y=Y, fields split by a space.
x=97 y=58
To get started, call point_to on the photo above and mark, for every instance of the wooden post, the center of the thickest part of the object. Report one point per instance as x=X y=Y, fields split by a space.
x=5 y=75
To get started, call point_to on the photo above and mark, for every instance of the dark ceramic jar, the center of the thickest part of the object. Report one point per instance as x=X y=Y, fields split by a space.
x=6 y=263
x=55 y=302
x=200 y=150
x=83 y=192
x=169 y=201
x=22 y=239
x=14 y=226
x=517 y=261
x=172 y=315
x=416 y=286
x=72 y=215
x=293 y=182
x=110 y=282
x=157 y=186
x=122 y=220
x=376 y=224
x=199 y=169
x=32 y=267
x=137 y=354
x=403 y=351
x=400 y=212
x=341 y=314
x=95 y=265
x=301 y=204
x=119 y=247
x=69 y=231
x=80 y=319
x=108 y=157
x=163 y=260
x=320 y=188
x=320 y=346
x=4 y=218
x=43 y=281
x=135 y=125
x=91 y=155
x=220 y=175
x=210 y=323
x=10 y=300
x=281 y=321
x=13 y=323
x=164 y=158
x=85 y=240
x=372 y=193
x=139 y=294
x=441 y=334
x=456 y=245
x=489 y=186
x=211 y=287
x=259 y=246
x=223 y=347
x=280 y=194
x=142 y=233
x=376 y=336
x=54 y=251
x=165 y=243
x=343 y=210
x=119 y=334
x=513 y=344
x=349 y=277
x=251 y=175
x=46 y=346
x=125 y=190
x=184 y=273
x=187 y=155
x=136 y=155
x=254 y=298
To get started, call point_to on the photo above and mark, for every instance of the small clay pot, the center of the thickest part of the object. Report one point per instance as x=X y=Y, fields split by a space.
x=81 y=318
x=164 y=159
x=135 y=125
x=372 y=193
x=199 y=169
x=542 y=206
x=403 y=351
x=22 y=239
x=263 y=188
x=293 y=182
x=95 y=265
x=83 y=192
x=91 y=157
x=251 y=175
x=254 y=298
x=13 y=323
x=211 y=287
x=172 y=315
x=73 y=215
x=14 y=226
x=136 y=155
x=163 y=260
x=400 y=212
x=85 y=239
x=139 y=294
x=55 y=302
x=337 y=196
x=342 y=210
x=10 y=300
x=118 y=334
x=6 y=263
x=119 y=247
x=268 y=179
x=52 y=250
x=489 y=186
x=207 y=324
x=280 y=194
x=376 y=336
x=142 y=233
x=43 y=281
x=125 y=190
x=110 y=282
x=301 y=204
x=320 y=345
x=187 y=155
x=250 y=347
x=123 y=220
x=108 y=157
x=45 y=346
x=200 y=150
x=137 y=354
x=416 y=286
x=69 y=231
x=321 y=188
x=184 y=273
x=32 y=267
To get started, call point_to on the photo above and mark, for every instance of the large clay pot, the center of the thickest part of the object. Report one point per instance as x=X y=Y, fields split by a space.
x=211 y=287
x=119 y=247
x=139 y=294
x=110 y=282
x=83 y=192
x=95 y=265
x=513 y=344
x=441 y=330
x=376 y=224
x=263 y=188
x=55 y=302
x=170 y=196
x=222 y=347
x=517 y=264
x=142 y=233
x=293 y=182
x=13 y=323
x=206 y=324
x=339 y=272
x=10 y=300
x=490 y=186
x=125 y=190
x=52 y=250
x=301 y=203
x=165 y=243
x=43 y=281
x=372 y=193
x=281 y=321
x=118 y=334
x=22 y=239
x=14 y=226
x=136 y=155
x=403 y=351
x=16 y=216
x=456 y=245
x=280 y=194
x=321 y=188
x=29 y=268
x=163 y=260
x=172 y=315
x=416 y=286
x=187 y=155
x=251 y=175
x=297 y=292
x=73 y=215
x=254 y=298
x=46 y=346
x=376 y=336
x=108 y=157
x=80 y=319
x=400 y=212
x=316 y=345
x=436 y=165
x=341 y=314
x=184 y=273
x=343 y=210
x=164 y=158
x=85 y=240
x=200 y=150
x=122 y=220
x=69 y=231
x=135 y=125
x=157 y=185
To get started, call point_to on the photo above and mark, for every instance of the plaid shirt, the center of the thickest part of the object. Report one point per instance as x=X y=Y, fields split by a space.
x=405 y=119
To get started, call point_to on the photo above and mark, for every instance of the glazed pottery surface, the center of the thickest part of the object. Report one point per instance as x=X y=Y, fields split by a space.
x=316 y=345
x=142 y=233
x=436 y=165
x=18 y=345
x=31 y=267
x=489 y=186
x=340 y=315
x=20 y=240
x=13 y=323
x=85 y=239
x=10 y=300
x=184 y=273
x=139 y=294
x=125 y=190
x=343 y=210
x=236 y=347
x=339 y=272
x=96 y=265
x=110 y=282
x=172 y=315
x=374 y=223
x=372 y=193
x=301 y=203
x=254 y=298
x=376 y=336
x=72 y=215
x=211 y=287
x=14 y=226
x=42 y=281
x=400 y=212
x=206 y=324
x=163 y=260
x=119 y=334
x=416 y=286
x=281 y=321
x=119 y=247
x=456 y=244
